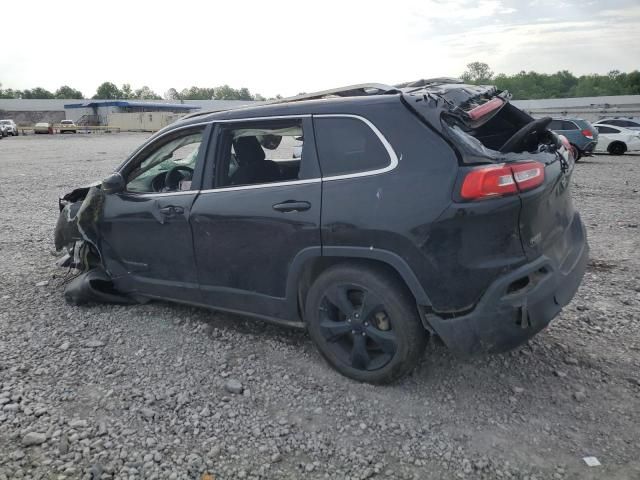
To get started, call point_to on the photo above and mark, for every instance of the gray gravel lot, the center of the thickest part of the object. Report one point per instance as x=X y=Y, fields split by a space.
x=166 y=391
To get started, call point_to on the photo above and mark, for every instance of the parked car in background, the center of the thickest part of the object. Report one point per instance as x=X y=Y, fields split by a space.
x=580 y=133
x=617 y=140
x=68 y=126
x=42 y=127
x=630 y=123
x=400 y=218
x=10 y=127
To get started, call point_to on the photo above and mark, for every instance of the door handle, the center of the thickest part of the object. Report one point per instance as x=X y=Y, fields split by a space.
x=292 y=206
x=172 y=210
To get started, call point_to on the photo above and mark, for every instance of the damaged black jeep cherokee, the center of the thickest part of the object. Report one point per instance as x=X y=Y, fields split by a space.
x=373 y=216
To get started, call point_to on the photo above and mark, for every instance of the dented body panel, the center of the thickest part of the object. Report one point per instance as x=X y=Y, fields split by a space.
x=477 y=269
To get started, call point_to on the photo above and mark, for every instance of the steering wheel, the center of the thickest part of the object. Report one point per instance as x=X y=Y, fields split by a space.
x=173 y=177
x=518 y=141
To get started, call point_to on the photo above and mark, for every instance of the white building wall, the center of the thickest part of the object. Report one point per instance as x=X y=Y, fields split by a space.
x=142 y=122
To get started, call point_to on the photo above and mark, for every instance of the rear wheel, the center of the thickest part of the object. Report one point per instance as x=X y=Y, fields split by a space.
x=617 y=148
x=577 y=152
x=365 y=323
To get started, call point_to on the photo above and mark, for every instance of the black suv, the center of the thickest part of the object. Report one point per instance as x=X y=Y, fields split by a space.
x=372 y=216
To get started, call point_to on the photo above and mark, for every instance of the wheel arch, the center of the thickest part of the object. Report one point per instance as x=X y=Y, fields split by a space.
x=311 y=262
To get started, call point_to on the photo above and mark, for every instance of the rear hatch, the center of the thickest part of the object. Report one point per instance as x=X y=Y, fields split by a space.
x=504 y=152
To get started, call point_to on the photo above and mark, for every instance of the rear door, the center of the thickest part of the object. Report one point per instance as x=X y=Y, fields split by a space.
x=262 y=208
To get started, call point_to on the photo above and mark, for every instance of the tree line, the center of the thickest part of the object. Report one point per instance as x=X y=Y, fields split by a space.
x=522 y=85
x=110 y=91
x=562 y=84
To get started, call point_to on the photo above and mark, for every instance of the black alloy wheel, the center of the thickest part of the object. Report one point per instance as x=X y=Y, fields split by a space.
x=365 y=323
x=357 y=327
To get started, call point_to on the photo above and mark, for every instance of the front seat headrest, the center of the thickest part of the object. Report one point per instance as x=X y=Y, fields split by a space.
x=248 y=150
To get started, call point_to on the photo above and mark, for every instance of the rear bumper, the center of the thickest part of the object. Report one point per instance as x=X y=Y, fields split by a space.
x=589 y=147
x=510 y=312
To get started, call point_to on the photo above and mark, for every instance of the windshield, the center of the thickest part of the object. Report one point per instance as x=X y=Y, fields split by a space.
x=5 y=122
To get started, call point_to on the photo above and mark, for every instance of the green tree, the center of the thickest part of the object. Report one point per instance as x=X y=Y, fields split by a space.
x=66 y=91
x=126 y=91
x=37 y=92
x=9 y=93
x=477 y=73
x=197 y=93
x=107 y=91
x=172 y=94
x=225 y=92
x=145 y=93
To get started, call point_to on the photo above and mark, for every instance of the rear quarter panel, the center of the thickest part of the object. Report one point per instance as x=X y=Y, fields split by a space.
x=410 y=212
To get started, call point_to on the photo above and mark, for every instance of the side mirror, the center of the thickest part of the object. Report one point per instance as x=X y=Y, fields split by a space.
x=114 y=183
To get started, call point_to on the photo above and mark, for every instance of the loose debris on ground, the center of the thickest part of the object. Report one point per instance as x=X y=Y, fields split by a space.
x=164 y=391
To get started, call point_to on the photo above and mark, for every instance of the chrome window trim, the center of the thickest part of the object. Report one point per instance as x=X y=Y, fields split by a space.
x=393 y=158
x=254 y=119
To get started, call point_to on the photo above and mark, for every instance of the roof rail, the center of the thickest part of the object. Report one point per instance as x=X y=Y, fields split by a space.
x=359 y=90
x=424 y=82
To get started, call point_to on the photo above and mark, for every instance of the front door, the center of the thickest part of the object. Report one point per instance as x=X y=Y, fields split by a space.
x=261 y=210
x=147 y=244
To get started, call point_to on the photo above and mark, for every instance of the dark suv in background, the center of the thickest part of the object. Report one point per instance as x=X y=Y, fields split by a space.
x=580 y=133
x=430 y=208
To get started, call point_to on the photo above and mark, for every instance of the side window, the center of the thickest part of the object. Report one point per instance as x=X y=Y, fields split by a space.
x=261 y=152
x=569 y=126
x=167 y=167
x=603 y=129
x=555 y=125
x=348 y=145
x=618 y=123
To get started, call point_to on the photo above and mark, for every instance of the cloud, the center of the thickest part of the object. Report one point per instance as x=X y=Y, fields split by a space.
x=286 y=46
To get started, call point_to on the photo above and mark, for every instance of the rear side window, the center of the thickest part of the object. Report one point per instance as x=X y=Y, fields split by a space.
x=348 y=145
x=569 y=126
x=555 y=125
x=602 y=129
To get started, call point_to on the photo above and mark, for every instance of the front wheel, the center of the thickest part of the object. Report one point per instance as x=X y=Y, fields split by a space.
x=365 y=323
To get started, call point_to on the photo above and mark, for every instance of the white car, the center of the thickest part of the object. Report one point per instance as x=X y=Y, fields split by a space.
x=68 y=126
x=630 y=123
x=10 y=127
x=616 y=140
x=42 y=127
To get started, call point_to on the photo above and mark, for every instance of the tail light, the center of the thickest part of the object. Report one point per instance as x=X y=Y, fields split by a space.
x=587 y=133
x=487 y=107
x=503 y=179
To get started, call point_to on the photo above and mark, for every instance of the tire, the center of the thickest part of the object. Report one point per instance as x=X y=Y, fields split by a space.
x=617 y=148
x=377 y=347
x=578 y=153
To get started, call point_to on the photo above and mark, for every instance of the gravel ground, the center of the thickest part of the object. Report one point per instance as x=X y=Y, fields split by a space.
x=166 y=391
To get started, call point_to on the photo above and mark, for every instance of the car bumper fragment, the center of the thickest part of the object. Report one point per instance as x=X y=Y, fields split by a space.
x=508 y=316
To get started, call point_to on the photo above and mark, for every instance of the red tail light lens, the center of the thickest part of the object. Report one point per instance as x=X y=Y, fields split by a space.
x=487 y=107
x=502 y=179
x=587 y=133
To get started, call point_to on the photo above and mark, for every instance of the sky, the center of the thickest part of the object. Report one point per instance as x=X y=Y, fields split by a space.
x=287 y=47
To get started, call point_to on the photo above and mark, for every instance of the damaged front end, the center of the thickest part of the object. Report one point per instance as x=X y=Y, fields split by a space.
x=77 y=233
